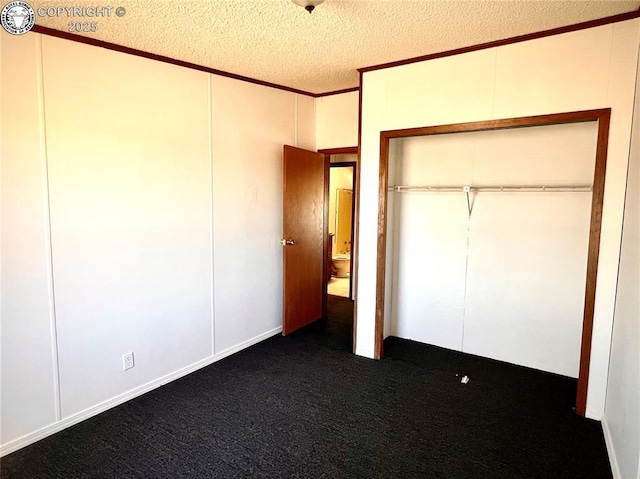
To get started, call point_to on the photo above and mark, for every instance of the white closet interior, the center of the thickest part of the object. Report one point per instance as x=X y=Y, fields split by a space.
x=498 y=268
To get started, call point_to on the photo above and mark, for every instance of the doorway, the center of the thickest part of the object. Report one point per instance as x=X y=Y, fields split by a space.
x=341 y=251
x=308 y=257
x=341 y=214
x=341 y=306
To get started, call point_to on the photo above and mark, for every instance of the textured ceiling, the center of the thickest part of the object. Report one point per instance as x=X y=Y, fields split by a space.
x=279 y=42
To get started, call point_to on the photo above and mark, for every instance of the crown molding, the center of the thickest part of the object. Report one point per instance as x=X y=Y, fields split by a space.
x=152 y=56
x=507 y=41
x=432 y=56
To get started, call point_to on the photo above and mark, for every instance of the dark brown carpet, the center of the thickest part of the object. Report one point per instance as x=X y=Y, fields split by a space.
x=303 y=406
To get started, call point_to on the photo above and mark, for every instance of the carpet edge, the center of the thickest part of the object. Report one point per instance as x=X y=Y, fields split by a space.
x=78 y=417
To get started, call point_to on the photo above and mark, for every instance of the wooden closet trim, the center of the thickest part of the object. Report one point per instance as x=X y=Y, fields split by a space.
x=601 y=116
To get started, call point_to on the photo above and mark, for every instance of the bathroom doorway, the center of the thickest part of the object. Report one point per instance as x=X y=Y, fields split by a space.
x=307 y=297
x=342 y=185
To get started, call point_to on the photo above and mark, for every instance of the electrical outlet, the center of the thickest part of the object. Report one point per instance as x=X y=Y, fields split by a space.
x=127 y=361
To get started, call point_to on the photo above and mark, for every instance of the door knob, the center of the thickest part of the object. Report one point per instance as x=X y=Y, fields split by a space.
x=285 y=242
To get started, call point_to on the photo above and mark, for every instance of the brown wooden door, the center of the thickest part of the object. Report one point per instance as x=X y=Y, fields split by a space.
x=305 y=192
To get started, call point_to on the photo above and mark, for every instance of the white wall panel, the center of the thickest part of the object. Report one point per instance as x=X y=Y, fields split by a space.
x=250 y=126
x=28 y=395
x=549 y=155
x=431 y=258
x=528 y=251
x=620 y=94
x=337 y=120
x=526 y=279
x=549 y=75
x=429 y=240
x=622 y=412
x=449 y=90
x=131 y=218
x=305 y=122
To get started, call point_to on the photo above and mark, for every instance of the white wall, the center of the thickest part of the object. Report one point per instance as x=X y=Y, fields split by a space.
x=247 y=198
x=337 y=120
x=29 y=395
x=165 y=192
x=130 y=202
x=508 y=281
x=587 y=69
x=621 y=420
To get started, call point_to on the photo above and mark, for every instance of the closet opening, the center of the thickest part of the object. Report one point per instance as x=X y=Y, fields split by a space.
x=488 y=238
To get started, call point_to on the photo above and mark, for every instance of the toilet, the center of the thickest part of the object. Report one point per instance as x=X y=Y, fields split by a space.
x=342 y=264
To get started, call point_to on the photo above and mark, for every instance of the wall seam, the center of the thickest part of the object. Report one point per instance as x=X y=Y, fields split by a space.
x=495 y=82
x=470 y=208
x=611 y=45
x=296 y=118
x=211 y=204
x=315 y=124
x=316 y=116
x=44 y=159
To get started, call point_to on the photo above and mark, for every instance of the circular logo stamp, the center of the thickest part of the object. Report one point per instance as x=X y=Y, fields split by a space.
x=17 y=17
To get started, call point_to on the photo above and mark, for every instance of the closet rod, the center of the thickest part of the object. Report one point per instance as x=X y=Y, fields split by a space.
x=505 y=189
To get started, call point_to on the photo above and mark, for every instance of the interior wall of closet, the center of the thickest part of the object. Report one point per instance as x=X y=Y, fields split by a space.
x=487 y=242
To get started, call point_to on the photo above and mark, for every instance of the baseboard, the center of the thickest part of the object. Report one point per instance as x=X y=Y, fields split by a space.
x=594 y=413
x=30 y=438
x=246 y=344
x=613 y=458
x=365 y=353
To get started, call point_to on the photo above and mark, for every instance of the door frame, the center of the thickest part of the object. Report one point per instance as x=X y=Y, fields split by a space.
x=347 y=164
x=355 y=218
x=602 y=117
